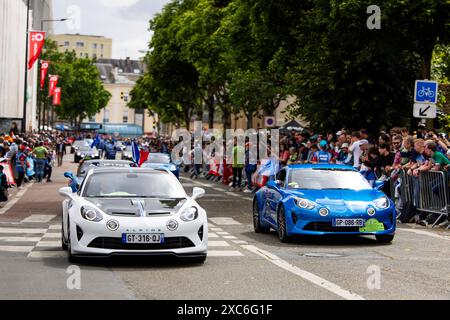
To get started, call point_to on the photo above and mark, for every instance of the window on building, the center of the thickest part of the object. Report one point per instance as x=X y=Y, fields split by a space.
x=94 y=56
x=101 y=46
x=92 y=119
x=94 y=46
x=66 y=43
x=101 y=56
x=125 y=116
x=106 y=116
x=86 y=55
x=81 y=54
x=80 y=44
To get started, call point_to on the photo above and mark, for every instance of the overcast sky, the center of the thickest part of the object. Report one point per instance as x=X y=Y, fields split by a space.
x=125 y=21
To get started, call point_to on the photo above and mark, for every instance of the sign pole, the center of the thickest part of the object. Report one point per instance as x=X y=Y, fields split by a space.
x=25 y=89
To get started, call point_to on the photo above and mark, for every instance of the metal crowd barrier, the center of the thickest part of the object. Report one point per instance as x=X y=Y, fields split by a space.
x=429 y=192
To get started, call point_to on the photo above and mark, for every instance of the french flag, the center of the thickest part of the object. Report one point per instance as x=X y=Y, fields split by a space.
x=136 y=152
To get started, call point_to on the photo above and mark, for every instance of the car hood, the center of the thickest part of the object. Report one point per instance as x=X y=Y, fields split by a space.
x=131 y=207
x=341 y=200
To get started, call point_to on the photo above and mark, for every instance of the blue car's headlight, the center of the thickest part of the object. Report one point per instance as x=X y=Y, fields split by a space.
x=304 y=203
x=173 y=168
x=382 y=203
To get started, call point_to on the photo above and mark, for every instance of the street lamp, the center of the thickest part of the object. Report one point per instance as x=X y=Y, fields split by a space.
x=39 y=63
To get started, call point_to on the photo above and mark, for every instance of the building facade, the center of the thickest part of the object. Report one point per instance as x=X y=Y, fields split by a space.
x=13 y=44
x=119 y=77
x=85 y=46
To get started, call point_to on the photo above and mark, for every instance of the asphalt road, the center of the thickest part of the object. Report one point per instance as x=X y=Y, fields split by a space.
x=240 y=264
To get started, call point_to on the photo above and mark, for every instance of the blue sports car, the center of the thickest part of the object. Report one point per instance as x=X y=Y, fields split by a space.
x=162 y=161
x=323 y=199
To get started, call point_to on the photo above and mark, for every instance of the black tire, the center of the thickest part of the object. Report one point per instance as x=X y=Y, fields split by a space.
x=63 y=244
x=70 y=256
x=282 y=235
x=257 y=220
x=384 y=238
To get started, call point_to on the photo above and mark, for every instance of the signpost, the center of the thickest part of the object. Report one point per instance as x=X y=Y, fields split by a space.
x=425 y=98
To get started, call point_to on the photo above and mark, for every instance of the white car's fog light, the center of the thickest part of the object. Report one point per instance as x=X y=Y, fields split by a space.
x=112 y=225
x=324 y=212
x=172 y=225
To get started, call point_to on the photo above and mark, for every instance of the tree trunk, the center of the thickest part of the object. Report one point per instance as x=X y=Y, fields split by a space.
x=249 y=119
x=426 y=65
x=211 y=111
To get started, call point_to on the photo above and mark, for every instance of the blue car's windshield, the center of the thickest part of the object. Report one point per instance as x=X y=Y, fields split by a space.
x=322 y=179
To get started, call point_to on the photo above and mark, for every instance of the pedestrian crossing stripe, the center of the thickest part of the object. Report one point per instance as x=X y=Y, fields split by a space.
x=39 y=218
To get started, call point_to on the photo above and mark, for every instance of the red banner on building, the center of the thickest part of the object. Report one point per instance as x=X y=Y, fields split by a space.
x=57 y=97
x=52 y=85
x=37 y=40
x=44 y=70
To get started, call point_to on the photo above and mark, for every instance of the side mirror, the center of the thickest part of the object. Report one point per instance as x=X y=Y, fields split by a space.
x=198 y=193
x=378 y=185
x=66 y=192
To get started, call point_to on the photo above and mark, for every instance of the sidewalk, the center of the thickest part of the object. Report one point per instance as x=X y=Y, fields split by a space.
x=38 y=198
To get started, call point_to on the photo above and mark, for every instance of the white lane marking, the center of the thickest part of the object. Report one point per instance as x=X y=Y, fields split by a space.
x=46 y=254
x=223 y=233
x=224 y=253
x=22 y=230
x=233 y=194
x=321 y=282
x=206 y=185
x=20 y=239
x=217 y=189
x=52 y=236
x=188 y=185
x=230 y=237
x=55 y=227
x=49 y=244
x=13 y=201
x=218 y=244
x=216 y=229
x=15 y=249
x=240 y=242
x=223 y=221
x=248 y=199
x=426 y=233
x=212 y=235
x=38 y=218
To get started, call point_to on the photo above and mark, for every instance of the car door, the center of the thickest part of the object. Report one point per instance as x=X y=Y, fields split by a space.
x=275 y=196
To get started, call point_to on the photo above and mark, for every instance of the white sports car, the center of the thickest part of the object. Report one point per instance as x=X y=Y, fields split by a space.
x=133 y=211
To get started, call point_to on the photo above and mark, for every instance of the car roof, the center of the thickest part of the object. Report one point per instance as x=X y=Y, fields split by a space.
x=108 y=161
x=128 y=170
x=322 y=166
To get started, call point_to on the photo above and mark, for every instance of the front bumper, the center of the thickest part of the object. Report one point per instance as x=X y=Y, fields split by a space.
x=94 y=239
x=305 y=222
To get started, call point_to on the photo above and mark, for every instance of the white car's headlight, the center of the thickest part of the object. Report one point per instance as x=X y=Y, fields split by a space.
x=189 y=214
x=304 y=203
x=91 y=214
x=78 y=154
x=382 y=203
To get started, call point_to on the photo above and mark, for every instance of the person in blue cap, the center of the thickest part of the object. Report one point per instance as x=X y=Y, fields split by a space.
x=322 y=156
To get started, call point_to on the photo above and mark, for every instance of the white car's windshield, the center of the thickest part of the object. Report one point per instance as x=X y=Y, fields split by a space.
x=323 y=179
x=133 y=185
x=158 y=158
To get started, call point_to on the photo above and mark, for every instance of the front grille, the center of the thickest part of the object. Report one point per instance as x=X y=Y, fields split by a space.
x=200 y=233
x=116 y=243
x=328 y=227
x=79 y=233
x=124 y=214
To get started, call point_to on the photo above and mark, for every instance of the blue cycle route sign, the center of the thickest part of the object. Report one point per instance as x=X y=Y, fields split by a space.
x=426 y=91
